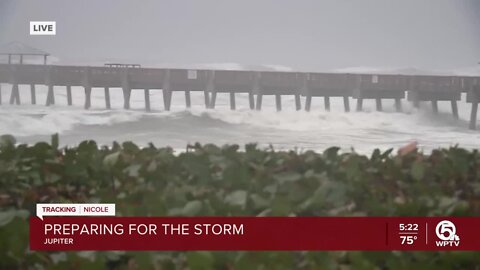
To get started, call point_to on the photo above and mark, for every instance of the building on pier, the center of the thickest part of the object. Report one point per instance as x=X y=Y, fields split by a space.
x=21 y=52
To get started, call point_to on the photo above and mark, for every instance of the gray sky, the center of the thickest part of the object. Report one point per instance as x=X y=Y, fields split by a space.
x=302 y=34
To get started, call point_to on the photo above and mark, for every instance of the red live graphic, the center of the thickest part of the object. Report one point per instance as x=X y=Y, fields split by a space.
x=254 y=233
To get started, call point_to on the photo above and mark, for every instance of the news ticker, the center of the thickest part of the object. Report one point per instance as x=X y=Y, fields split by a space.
x=94 y=227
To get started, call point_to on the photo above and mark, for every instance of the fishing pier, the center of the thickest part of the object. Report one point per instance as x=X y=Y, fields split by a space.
x=308 y=86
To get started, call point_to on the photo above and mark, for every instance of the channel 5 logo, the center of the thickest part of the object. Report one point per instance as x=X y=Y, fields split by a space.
x=447 y=233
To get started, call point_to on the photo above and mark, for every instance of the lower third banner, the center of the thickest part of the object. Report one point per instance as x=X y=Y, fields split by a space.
x=254 y=233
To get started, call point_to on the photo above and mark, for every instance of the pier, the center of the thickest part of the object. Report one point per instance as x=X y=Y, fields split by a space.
x=301 y=85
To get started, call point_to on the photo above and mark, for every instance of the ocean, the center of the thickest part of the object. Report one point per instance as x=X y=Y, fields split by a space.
x=286 y=130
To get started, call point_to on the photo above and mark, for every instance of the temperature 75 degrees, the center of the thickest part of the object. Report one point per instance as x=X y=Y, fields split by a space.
x=408 y=239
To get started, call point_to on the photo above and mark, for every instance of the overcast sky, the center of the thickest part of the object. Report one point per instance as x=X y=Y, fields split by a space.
x=302 y=34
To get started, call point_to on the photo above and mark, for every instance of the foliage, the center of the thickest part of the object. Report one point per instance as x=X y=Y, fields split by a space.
x=225 y=181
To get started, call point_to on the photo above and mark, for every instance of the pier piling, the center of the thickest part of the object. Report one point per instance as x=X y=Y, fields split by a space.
x=166 y=91
x=213 y=100
x=69 y=95
x=346 y=103
x=50 y=95
x=12 y=95
x=33 y=97
x=107 y=97
x=15 y=95
x=127 y=89
x=278 y=102
x=473 y=116
x=474 y=94
x=188 y=99
x=207 y=99
x=435 y=106
x=398 y=104
x=258 y=104
x=359 y=104
x=326 y=100
x=416 y=103
x=251 y=100
x=87 y=85
x=232 y=101
x=454 y=109
x=126 y=97
x=147 y=99
x=167 y=98
x=378 y=104
x=88 y=96
x=298 y=104
x=308 y=103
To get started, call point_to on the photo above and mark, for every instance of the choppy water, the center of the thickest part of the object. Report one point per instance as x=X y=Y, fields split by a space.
x=288 y=129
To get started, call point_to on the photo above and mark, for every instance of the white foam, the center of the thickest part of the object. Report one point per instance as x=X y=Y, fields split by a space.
x=460 y=71
x=54 y=121
x=223 y=66
x=278 y=67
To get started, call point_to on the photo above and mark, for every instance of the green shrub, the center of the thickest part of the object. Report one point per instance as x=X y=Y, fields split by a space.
x=225 y=181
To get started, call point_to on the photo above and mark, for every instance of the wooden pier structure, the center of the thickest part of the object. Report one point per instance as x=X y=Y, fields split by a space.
x=416 y=88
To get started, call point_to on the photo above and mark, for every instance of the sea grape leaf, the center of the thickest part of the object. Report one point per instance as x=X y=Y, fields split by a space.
x=111 y=159
x=200 y=260
x=237 y=198
x=6 y=217
x=418 y=170
x=6 y=140
x=133 y=170
x=288 y=177
x=192 y=208
x=55 y=141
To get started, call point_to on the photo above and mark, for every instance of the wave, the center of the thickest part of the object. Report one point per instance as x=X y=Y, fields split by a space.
x=24 y=123
x=38 y=119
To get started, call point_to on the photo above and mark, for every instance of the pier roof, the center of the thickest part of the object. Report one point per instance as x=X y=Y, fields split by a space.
x=17 y=48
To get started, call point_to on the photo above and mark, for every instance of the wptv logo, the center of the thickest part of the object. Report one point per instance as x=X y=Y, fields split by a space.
x=447 y=233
